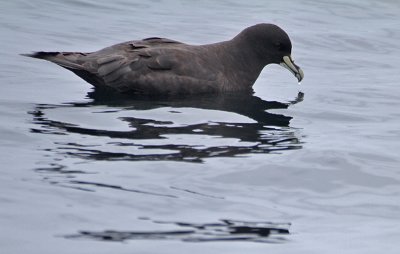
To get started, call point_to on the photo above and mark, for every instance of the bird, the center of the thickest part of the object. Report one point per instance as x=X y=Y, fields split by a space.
x=161 y=66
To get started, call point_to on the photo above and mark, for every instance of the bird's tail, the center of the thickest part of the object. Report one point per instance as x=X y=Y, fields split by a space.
x=65 y=59
x=41 y=54
x=70 y=61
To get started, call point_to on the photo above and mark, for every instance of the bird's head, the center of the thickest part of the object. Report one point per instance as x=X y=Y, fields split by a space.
x=272 y=45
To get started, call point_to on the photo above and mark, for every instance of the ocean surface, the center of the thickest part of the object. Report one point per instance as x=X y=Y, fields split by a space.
x=309 y=168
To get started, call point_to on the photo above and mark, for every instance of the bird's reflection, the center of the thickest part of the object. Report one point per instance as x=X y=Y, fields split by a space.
x=268 y=132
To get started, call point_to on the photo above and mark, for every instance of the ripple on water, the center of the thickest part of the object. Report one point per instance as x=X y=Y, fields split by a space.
x=178 y=129
x=225 y=230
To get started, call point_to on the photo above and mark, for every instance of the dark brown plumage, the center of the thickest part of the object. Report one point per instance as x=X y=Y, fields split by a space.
x=164 y=66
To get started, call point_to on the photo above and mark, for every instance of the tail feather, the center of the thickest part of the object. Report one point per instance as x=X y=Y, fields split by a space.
x=68 y=60
x=64 y=59
x=41 y=54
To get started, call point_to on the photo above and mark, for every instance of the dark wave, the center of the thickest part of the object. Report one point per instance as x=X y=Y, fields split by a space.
x=225 y=230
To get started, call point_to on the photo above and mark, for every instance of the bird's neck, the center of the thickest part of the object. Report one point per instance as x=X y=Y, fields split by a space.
x=242 y=55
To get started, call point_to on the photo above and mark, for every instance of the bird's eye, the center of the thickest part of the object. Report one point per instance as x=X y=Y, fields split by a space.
x=280 y=46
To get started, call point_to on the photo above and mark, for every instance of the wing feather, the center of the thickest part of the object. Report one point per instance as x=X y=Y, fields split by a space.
x=152 y=65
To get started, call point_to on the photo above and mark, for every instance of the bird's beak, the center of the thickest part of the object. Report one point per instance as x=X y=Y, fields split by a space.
x=289 y=64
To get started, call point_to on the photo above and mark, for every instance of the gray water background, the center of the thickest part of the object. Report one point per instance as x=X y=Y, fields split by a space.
x=71 y=163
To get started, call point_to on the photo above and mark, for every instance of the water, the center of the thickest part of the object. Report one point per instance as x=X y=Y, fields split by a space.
x=292 y=169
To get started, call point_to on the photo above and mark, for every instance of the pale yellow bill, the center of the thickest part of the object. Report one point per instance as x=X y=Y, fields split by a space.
x=289 y=64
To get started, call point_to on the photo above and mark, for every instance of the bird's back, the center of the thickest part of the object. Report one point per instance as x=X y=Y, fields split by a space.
x=150 y=66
